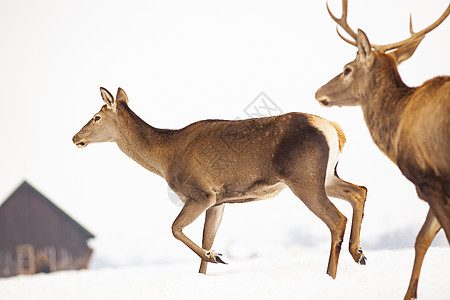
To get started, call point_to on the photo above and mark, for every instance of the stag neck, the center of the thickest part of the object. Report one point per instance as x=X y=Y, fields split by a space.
x=147 y=145
x=383 y=108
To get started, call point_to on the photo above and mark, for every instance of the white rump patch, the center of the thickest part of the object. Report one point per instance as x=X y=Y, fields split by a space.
x=331 y=135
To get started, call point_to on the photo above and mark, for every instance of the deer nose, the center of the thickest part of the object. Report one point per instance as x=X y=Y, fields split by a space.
x=323 y=100
x=319 y=94
x=75 y=139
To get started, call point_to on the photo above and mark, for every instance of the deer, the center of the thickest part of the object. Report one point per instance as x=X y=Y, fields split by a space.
x=410 y=125
x=214 y=162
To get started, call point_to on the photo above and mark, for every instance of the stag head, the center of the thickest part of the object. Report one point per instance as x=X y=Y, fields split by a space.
x=372 y=62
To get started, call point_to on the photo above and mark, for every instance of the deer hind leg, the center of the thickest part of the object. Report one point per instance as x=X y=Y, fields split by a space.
x=438 y=197
x=423 y=241
x=356 y=196
x=192 y=209
x=212 y=222
x=317 y=201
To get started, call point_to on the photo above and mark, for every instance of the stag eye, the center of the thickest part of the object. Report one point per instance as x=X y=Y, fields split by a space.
x=96 y=118
x=347 y=70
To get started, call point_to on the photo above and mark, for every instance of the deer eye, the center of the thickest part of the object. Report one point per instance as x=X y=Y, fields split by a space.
x=347 y=70
x=96 y=118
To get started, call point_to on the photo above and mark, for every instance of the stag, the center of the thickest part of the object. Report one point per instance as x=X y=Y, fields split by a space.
x=214 y=162
x=411 y=125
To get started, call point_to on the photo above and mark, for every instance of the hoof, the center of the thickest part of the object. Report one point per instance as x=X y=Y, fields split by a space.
x=220 y=259
x=363 y=259
x=217 y=257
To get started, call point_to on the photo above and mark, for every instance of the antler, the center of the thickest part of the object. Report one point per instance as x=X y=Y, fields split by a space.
x=343 y=23
x=415 y=36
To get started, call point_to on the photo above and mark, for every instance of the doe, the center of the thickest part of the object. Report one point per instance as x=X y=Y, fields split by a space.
x=214 y=162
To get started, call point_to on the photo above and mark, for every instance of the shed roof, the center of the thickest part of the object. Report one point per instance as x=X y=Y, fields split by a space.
x=26 y=189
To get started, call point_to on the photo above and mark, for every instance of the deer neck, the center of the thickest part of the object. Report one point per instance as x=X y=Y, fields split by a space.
x=383 y=108
x=146 y=145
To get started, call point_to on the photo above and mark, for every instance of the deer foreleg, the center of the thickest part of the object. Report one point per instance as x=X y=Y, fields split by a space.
x=212 y=221
x=423 y=241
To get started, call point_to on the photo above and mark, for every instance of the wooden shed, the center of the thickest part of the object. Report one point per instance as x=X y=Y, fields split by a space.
x=37 y=236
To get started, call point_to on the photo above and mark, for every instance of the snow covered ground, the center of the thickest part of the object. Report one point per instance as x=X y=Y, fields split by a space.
x=297 y=274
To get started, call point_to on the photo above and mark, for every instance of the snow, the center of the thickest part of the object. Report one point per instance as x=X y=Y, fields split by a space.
x=294 y=274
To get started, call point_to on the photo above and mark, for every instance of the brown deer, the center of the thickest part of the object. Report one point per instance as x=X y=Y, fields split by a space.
x=410 y=125
x=213 y=162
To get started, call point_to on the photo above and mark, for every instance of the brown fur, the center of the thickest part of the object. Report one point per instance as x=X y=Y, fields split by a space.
x=410 y=125
x=213 y=162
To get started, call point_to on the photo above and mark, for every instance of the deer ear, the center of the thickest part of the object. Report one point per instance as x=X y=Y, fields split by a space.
x=121 y=96
x=365 y=54
x=107 y=97
x=406 y=51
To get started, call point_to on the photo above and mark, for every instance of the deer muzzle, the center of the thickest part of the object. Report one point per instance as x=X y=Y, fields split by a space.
x=80 y=143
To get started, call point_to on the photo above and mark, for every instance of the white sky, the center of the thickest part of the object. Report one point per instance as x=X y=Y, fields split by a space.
x=179 y=62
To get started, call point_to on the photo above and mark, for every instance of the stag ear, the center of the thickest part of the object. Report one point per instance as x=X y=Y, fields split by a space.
x=365 y=54
x=108 y=98
x=406 y=51
x=121 y=96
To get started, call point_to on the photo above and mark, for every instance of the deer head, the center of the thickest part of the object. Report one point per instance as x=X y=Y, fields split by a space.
x=372 y=64
x=103 y=126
